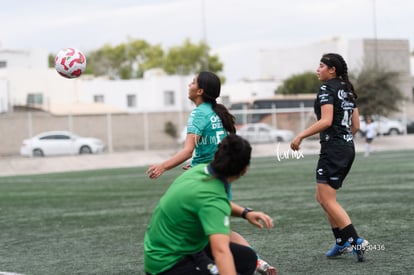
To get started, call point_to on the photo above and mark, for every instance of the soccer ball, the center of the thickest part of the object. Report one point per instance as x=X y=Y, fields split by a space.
x=70 y=63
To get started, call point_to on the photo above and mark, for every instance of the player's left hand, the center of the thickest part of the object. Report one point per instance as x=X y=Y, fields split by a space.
x=295 y=144
x=259 y=219
x=155 y=171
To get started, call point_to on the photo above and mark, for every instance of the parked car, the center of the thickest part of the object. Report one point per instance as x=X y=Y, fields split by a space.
x=385 y=126
x=264 y=133
x=410 y=127
x=60 y=143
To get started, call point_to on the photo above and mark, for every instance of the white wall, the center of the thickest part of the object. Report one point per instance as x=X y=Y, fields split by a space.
x=55 y=89
x=149 y=93
x=33 y=58
x=4 y=97
x=245 y=90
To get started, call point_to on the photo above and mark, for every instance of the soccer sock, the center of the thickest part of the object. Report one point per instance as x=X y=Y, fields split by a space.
x=339 y=238
x=337 y=234
x=349 y=234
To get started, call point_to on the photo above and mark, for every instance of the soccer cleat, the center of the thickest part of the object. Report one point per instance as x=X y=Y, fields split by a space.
x=264 y=268
x=360 y=248
x=337 y=250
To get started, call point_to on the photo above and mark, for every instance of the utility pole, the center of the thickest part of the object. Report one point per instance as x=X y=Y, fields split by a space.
x=203 y=17
x=375 y=34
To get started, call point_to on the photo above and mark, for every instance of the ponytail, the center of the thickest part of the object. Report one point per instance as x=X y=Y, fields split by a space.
x=227 y=119
x=211 y=85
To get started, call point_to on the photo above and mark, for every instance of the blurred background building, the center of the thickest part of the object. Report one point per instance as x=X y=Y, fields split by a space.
x=134 y=114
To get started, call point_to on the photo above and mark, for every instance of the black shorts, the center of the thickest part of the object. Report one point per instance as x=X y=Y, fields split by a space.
x=334 y=163
x=244 y=259
x=369 y=140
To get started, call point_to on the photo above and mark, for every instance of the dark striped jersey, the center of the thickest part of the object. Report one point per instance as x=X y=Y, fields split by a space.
x=335 y=92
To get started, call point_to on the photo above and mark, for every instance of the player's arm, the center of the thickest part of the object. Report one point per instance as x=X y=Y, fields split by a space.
x=156 y=170
x=220 y=248
x=320 y=125
x=355 y=121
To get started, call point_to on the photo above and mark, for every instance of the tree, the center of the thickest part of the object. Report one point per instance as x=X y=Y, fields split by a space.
x=304 y=83
x=126 y=60
x=190 y=58
x=377 y=90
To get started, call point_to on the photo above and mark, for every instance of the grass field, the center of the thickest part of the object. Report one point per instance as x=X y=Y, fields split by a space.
x=93 y=222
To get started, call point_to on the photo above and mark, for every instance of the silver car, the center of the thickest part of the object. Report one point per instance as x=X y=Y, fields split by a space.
x=385 y=126
x=60 y=143
x=264 y=133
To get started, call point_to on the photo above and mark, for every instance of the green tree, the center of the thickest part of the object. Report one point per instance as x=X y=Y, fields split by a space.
x=190 y=58
x=126 y=60
x=304 y=83
x=377 y=90
x=51 y=60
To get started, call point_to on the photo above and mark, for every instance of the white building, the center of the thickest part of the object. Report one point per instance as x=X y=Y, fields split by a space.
x=17 y=59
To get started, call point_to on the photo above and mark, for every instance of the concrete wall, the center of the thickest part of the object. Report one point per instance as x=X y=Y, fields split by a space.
x=120 y=132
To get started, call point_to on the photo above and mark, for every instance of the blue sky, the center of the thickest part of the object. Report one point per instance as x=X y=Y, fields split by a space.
x=235 y=29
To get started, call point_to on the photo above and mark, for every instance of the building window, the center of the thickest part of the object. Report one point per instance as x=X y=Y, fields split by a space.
x=98 y=99
x=131 y=100
x=3 y=64
x=169 y=99
x=34 y=99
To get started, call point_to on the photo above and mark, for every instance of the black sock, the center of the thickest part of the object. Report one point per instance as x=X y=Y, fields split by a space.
x=349 y=234
x=337 y=233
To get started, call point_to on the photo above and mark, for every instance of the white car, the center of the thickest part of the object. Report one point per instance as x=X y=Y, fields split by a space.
x=264 y=133
x=60 y=143
x=385 y=126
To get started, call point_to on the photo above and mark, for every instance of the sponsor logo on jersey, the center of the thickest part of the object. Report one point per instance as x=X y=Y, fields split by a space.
x=342 y=94
x=226 y=221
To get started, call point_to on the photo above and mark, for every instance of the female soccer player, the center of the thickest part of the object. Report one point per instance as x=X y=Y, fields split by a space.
x=370 y=134
x=189 y=232
x=338 y=121
x=207 y=125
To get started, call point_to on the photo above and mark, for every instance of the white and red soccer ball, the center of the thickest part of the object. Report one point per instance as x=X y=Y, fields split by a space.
x=70 y=63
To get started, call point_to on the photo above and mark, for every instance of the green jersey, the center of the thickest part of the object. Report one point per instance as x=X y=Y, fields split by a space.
x=204 y=122
x=194 y=207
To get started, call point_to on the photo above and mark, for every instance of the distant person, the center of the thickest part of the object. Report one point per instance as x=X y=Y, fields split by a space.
x=370 y=134
x=189 y=231
x=207 y=125
x=337 y=122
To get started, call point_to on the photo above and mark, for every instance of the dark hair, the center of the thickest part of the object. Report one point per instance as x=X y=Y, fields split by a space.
x=232 y=156
x=337 y=61
x=211 y=85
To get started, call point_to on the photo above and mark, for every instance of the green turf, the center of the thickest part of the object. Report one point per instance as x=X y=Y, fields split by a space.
x=93 y=222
